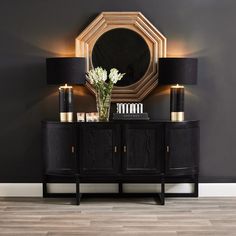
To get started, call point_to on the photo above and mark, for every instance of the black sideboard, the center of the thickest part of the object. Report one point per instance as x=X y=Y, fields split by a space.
x=121 y=152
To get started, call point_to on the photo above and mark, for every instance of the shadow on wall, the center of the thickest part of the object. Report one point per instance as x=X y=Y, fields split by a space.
x=26 y=99
x=157 y=103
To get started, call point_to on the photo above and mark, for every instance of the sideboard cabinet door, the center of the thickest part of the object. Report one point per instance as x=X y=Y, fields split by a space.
x=182 y=148
x=59 y=149
x=143 y=148
x=99 y=148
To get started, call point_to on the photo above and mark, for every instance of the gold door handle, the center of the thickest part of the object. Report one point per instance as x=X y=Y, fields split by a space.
x=115 y=149
x=125 y=149
x=72 y=149
x=167 y=149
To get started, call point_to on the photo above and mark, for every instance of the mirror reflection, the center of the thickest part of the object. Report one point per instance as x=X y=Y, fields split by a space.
x=125 y=50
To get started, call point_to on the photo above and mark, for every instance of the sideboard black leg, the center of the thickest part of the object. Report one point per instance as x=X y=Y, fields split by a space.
x=162 y=195
x=196 y=187
x=77 y=190
x=45 y=192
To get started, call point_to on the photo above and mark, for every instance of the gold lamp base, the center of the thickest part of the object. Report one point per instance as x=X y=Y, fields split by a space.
x=177 y=116
x=66 y=116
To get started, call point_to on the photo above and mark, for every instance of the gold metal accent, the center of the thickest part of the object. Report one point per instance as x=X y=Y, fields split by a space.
x=66 y=116
x=125 y=149
x=115 y=149
x=167 y=149
x=72 y=149
x=134 y=21
x=177 y=116
x=177 y=86
x=65 y=87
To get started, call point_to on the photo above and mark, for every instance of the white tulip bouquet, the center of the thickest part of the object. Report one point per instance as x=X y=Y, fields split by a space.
x=103 y=85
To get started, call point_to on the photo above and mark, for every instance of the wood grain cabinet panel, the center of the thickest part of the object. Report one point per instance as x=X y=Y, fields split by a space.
x=183 y=148
x=99 y=148
x=143 y=146
x=59 y=148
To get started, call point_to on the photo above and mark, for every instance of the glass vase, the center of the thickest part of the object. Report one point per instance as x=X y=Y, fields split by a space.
x=103 y=106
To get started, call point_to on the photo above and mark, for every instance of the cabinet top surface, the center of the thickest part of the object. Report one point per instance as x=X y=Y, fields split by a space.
x=121 y=122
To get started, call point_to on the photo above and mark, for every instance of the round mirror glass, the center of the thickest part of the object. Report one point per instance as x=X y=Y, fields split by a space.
x=125 y=50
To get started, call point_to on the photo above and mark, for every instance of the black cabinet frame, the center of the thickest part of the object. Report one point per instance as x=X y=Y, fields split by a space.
x=78 y=175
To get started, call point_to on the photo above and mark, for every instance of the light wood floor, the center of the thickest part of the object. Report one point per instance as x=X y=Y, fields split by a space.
x=182 y=216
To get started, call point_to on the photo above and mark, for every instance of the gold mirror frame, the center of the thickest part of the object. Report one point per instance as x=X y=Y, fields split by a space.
x=135 y=21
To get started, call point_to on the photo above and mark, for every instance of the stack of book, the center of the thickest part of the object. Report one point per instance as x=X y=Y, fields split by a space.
x=130 y=111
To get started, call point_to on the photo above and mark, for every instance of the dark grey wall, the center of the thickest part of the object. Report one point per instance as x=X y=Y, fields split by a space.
x=31 y=30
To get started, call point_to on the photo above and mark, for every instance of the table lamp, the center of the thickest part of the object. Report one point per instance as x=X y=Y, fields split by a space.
x=66 y=71
x=177 y=72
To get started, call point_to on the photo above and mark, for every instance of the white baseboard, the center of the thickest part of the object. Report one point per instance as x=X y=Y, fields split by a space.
x=35 y=189
x=20 y=190
x=217 y=190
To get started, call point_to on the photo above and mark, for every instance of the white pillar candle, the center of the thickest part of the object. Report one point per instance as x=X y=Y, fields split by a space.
x=138 y=108
x=127 y=108
x=118 y=108
x=141 y=108
x=132 y=108
x=123 y=108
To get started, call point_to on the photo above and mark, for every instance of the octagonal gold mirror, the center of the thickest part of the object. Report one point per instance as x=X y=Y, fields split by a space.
x=128 y=42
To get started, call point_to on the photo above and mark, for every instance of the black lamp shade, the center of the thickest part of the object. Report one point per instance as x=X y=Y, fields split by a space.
x=177 y=71
x=66 y=70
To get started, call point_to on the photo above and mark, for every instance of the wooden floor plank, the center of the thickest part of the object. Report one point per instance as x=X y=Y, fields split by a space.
x=180 y=216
